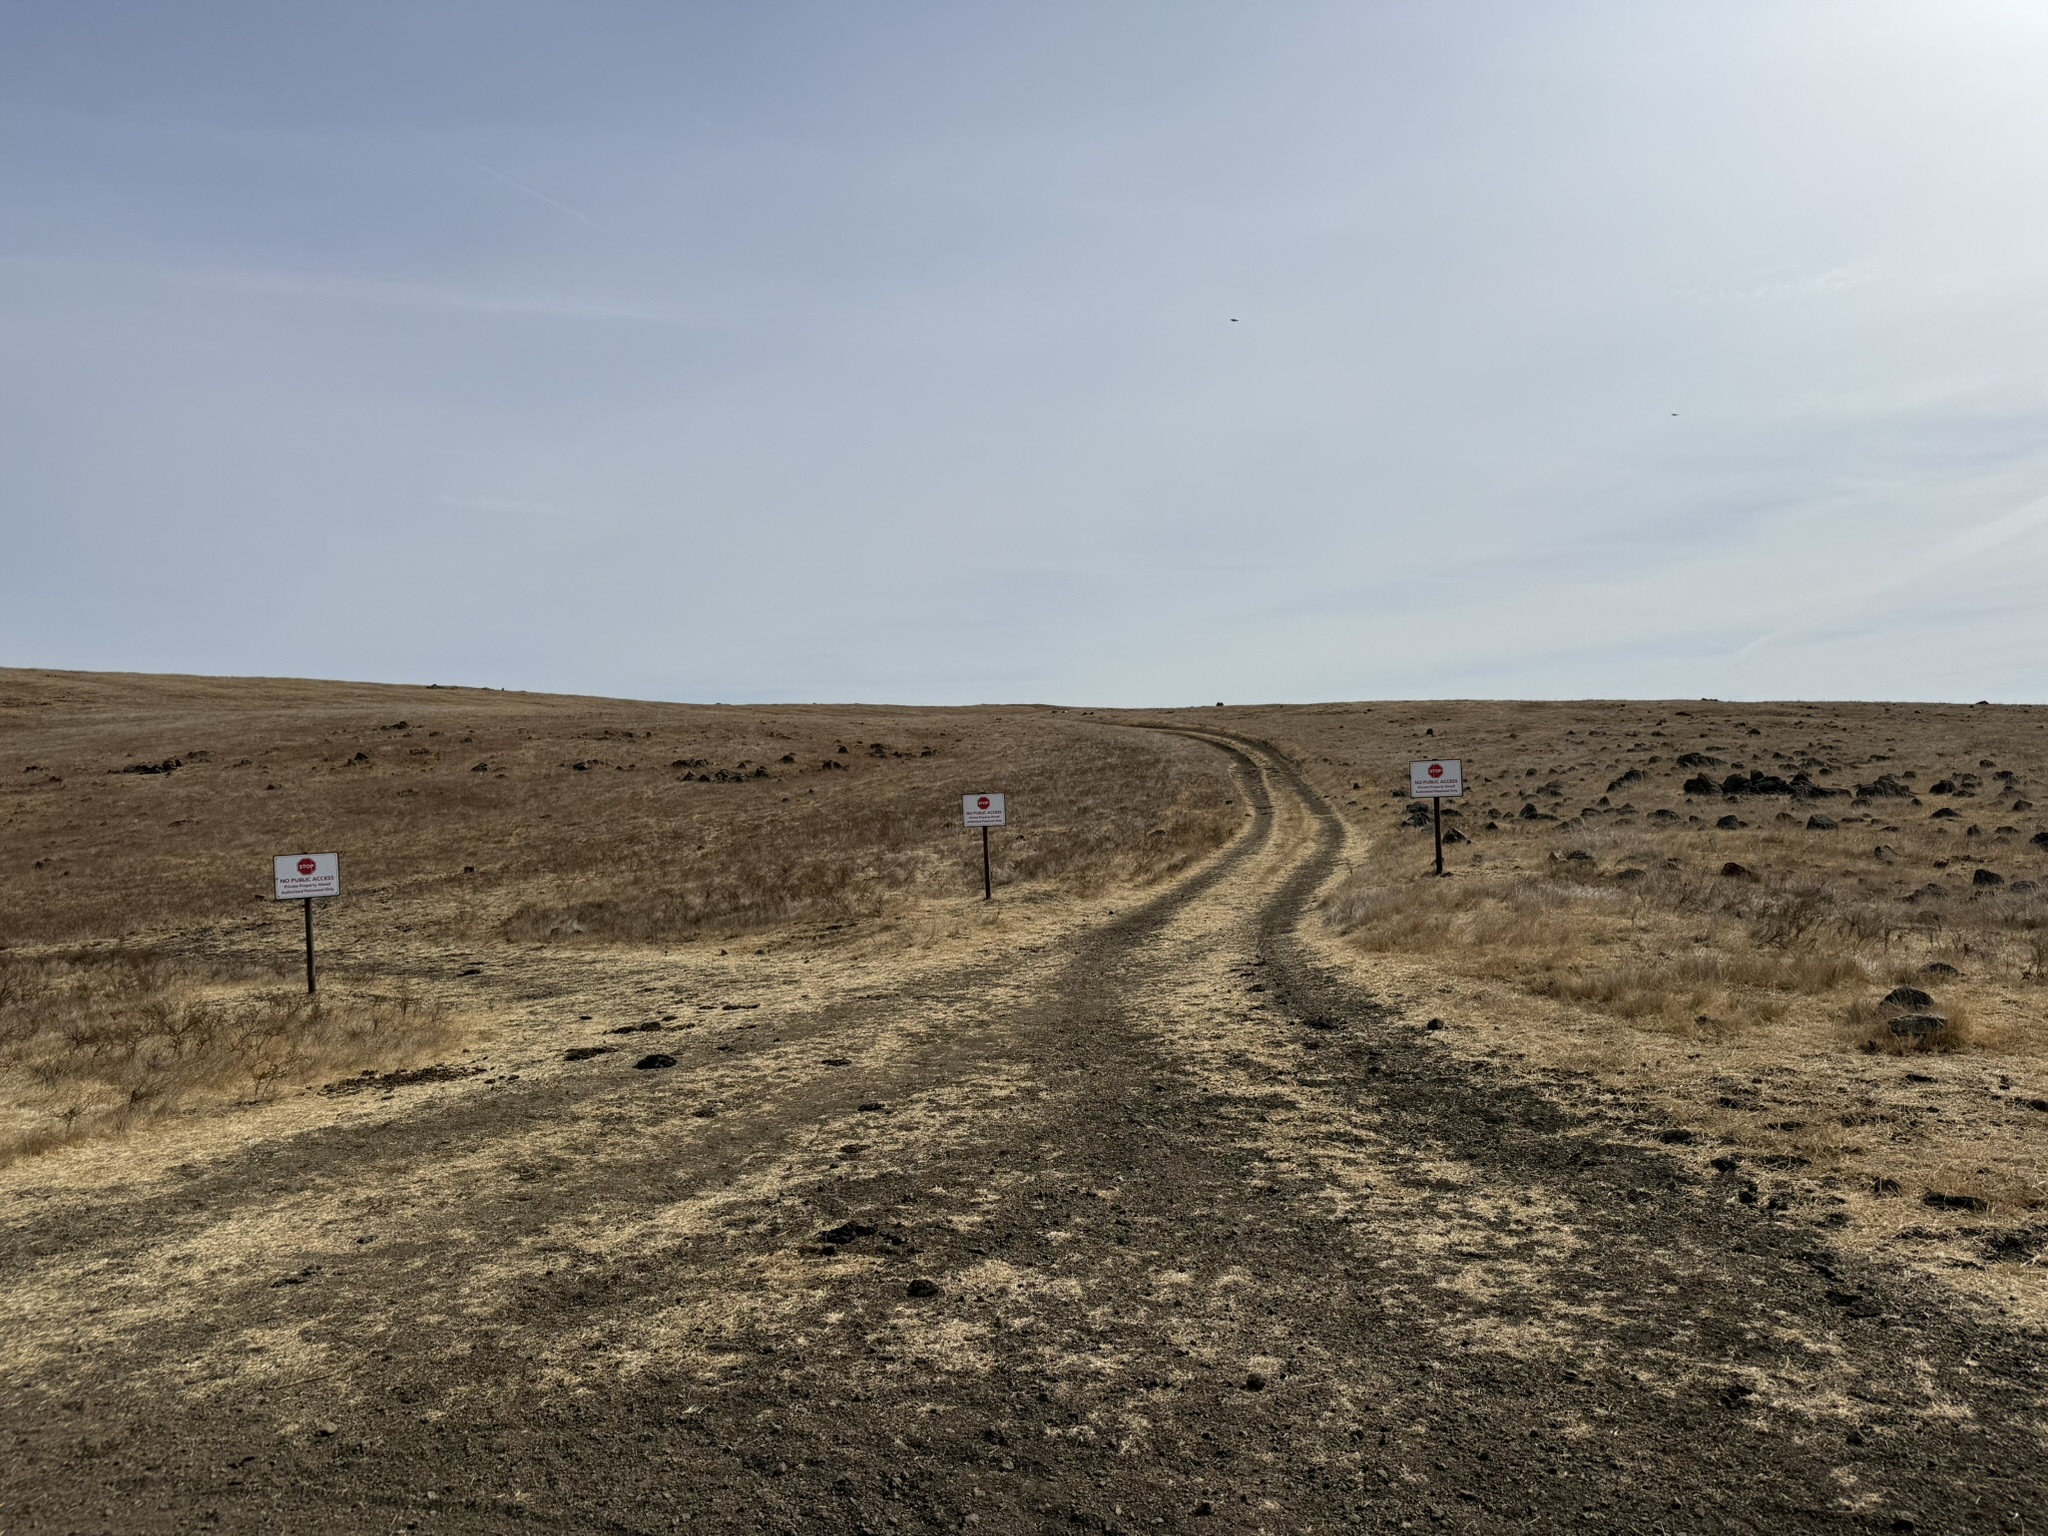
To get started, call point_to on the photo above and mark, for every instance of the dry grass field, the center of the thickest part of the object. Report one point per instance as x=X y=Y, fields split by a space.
x=1816 y=934
x=146 y=971
x=679 y=1142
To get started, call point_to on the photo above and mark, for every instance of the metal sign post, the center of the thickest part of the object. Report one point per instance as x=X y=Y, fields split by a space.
x=301 y=877
x=1437 y=781
x=984 y=811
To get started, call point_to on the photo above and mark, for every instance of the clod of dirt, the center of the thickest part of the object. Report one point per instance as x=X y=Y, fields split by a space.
x=2022 y=1247
x=298 y=1279
x=921 y=1288
x=1255 y=1382
x=848 y=1231
x=1434 y=1024
x=1942 y=1202
x=877 y=1108
x=440 y=1072
x=1676 y=1137
x=1907 y=997
x=654 y=1062
x=585 y=1052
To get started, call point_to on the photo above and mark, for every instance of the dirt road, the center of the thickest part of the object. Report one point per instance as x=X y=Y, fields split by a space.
x=1158 y=1225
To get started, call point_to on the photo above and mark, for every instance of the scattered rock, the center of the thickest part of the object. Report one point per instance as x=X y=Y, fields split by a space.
x=1630 y=874
x=1676 y=1137
x=1700 y=785
x=1697 y=760
x=1434 y=1024
x=849 y=1231
x=1911 y=999
x=585 y=1052
x=654 y=1062
x=1947 y=813
x=1942 y=787
x=921 y=1288
x=1818 y=823
x=1731 y=823
x=1633 y=776
x=1254 y=1382
x=1734 y=871
x=838 y=1061
x=1884 y=787
x=1987 y=877
x=1938 y=968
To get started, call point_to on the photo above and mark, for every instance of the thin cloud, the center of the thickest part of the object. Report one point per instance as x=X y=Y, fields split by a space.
x=505 y=506
x=520 y=186
x=1970 y=544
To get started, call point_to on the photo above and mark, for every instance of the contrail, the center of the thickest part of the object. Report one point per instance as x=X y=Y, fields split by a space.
x=1966 y=545
x=520 y=186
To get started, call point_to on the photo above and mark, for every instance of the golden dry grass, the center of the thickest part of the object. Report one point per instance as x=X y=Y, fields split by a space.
x=93 y=1042
x=148 y=969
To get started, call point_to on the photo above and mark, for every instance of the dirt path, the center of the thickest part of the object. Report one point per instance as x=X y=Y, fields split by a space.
x=1159 y=1227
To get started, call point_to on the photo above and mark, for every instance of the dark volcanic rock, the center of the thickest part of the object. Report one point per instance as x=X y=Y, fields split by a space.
x=1987 y=877
x=654 y=1062
x=1883 y=787
x=1819 y=823
x=1910 y=998
x=1921 y=1028
x=1730 y=823
x=1734 y=871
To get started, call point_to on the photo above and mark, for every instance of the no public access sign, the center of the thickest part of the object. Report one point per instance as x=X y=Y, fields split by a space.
x=1439 y=780
x=983 y=810
x=300 y=875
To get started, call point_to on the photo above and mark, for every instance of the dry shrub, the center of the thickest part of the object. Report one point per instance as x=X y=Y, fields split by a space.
x=96 y=1042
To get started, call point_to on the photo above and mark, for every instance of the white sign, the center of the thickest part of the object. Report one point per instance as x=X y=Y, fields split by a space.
x=1436 y=781
x=300 y=875
x=983 y=810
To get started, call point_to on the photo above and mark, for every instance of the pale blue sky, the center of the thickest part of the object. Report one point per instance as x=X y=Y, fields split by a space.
x=1110 y=352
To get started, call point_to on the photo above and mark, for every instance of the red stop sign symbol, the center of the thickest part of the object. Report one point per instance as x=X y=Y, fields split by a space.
x=982 y=802
x=307 y=866
x=1436 y=770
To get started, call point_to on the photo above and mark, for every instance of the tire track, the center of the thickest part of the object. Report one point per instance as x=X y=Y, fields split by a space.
x=1172 y=1229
